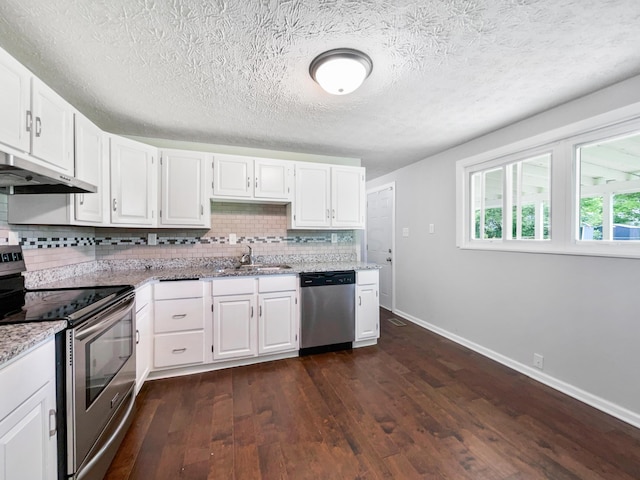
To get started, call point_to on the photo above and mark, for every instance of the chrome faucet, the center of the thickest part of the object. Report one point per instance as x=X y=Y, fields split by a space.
x=247 y=258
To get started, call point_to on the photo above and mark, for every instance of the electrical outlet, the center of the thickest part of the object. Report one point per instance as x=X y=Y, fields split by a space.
x=538 y=360
x=233 y=239
x=334 y=238
x=432 y=228
x=14 y=238
x=152 y=239
x=405 y=232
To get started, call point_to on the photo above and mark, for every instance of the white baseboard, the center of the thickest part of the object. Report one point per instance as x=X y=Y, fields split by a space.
x=595 y=401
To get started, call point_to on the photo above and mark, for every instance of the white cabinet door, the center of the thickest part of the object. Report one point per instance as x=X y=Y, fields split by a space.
x=28 y=438
x=52 y=139
x=182 y=192
x=347 y=197
x=25 y=448
x=273 y=179
x=15 y=101
x=234 y=327
x=88 y=162
x=312 y=196
x=232 y=176
x=144 y=339
x=133 y=182
x=277 y=322
x=367 y=312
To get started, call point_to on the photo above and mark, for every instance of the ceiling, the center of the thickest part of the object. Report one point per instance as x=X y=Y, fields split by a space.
x=235 y=72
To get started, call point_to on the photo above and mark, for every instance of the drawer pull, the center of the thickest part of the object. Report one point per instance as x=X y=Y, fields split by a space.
x=179 y=350
x=179 y=316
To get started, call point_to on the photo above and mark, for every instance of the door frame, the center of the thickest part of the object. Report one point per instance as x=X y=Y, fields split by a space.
x=392 y=186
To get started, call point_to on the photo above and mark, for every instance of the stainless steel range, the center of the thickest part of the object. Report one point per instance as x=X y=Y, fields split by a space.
x=95 y=362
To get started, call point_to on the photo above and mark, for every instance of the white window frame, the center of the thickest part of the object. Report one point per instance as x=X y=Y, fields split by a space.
x=564 y=196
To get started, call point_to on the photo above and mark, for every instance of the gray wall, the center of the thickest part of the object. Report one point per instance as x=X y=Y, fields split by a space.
x=580 y=312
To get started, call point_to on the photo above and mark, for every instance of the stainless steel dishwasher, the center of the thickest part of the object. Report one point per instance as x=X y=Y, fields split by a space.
x=328 y=311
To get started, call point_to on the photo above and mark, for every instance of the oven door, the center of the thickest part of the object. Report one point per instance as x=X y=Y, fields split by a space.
x=101 y=368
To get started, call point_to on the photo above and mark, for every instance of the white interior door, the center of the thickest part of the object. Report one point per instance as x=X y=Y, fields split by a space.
x=380 y=206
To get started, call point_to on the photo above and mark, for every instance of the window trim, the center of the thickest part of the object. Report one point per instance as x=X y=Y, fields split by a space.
x=564 y=192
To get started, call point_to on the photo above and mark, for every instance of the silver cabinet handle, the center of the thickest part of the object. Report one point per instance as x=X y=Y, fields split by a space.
x=53 y=423
x=179 y=316
x=252 y=312
x=327 y=213
x=38 y=127
x=115 y=205
x=333 y=213
x=82 y=199
x=256 y=182
x=359 y=300
x=248 y=182
x=260 y=311
x=179 y=350
x=29 y=120
x=201 y=209
x=137 y=337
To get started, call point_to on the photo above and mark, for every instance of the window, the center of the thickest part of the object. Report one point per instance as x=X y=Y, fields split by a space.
x=576 y=194
x=524 y=210
x=609 y=174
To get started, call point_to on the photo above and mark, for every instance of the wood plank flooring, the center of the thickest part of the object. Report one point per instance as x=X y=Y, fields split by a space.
x=414 y=406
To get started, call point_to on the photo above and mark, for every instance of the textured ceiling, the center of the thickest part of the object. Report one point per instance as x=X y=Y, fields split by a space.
x=236 y=72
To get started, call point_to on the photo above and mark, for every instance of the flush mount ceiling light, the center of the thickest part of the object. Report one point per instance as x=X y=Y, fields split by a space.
x=340 y=71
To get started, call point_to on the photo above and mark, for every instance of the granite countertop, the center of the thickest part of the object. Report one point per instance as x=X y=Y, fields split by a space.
x=138 y=278
x=15 y=339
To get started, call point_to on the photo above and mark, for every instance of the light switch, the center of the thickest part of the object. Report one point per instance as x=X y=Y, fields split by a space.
x=405 y=232
x=432 y=228
x=152 y=239
x=14 y=238
x=233 y=239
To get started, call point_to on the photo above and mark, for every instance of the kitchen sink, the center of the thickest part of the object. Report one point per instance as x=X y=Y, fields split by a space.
x=261 y=267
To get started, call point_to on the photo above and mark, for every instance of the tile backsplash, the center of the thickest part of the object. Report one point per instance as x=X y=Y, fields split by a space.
x=263 y=227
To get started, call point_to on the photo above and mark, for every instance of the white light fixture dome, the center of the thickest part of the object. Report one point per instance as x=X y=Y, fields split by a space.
x=340 y=71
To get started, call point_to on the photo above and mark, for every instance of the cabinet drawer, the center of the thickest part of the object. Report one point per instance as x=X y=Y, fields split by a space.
x=366 y=276
x=183 y=289
x=178 y=349
x=233 y=286
x=277 y=283
x=178 y=315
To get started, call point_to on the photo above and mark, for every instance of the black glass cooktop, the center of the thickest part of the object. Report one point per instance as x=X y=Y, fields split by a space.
x=73 y=305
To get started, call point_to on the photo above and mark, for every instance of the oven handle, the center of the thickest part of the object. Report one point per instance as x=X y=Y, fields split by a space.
x=106 y=319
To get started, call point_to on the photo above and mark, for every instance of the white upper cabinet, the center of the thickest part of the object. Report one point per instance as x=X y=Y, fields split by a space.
x=328 y=197
x=88 y=160
x=312 y=207
x=34 y=119
x=52 y=129
x=134 y=174
x=15 y=102
x=183 y=189
x=244 y=178
x=348 y=197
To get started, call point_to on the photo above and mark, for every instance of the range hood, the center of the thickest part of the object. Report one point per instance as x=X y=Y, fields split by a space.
x=21 y=176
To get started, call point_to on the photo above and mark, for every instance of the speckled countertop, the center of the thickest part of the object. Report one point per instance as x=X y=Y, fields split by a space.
x=15 y=339
x=138 y=278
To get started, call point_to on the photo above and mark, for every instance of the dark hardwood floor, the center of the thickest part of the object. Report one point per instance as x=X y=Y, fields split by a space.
x=415 y=406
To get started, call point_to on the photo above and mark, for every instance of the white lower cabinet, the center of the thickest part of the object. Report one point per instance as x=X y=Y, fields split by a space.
x=144 y=334
x=253 y=317
x=367 y=305
x=234 y=327
x=277 y=322
x=27 y=416
x=178 y=324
